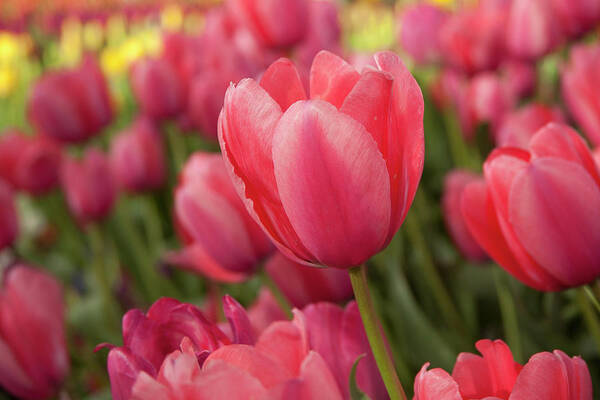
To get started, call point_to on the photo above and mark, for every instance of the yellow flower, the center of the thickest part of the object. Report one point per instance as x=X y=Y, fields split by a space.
x=93 y=35
x=171 y=17
x=9 y=48
x=8 y=80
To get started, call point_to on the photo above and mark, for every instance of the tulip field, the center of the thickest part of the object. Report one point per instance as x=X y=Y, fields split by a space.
x=300 y=199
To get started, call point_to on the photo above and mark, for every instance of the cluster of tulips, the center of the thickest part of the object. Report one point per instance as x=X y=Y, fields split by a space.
x=268 y=214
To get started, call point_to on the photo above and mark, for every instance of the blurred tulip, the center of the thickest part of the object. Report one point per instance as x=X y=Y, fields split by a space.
x=576 y=17
x=137 y=157
x=518 y=214
x=487 y=100
x=454 y=184
x=9 y=224
x=519 y=126
x=496 y=375
x=302 y=285
x=34 y=360
x=264 y=311
x=580 y=78
x=221 y=240
x=330 y=178
x=71 y=105
x=277 y=23
x=419 y=31
x=29 y=163
x=89 y=186
x=531 y=29
x=158 y=88
x=519 y=78
x=323 y=32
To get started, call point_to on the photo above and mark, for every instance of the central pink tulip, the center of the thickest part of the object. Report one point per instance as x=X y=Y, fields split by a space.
x=330 y=176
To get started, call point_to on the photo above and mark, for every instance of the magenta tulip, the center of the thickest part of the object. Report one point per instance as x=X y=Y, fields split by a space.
x=518 y=127
x=576 y=17
x=9 y=224
x=34 y=361
x=329 y=178
x=419 y=31
x=531 y=30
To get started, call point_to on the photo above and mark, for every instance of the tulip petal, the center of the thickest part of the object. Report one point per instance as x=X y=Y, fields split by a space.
x=196 y=259
x=124 y=367
x=567 y=245
x=284 y=342
x=333 y=183
x=282 y=81
x=12 y=375
x=331 y=78
x=238 y=319
x=319 y=382
x=435 y=385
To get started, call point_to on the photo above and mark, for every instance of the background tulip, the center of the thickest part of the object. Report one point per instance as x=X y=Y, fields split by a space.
x=9 y=224
x=419 y=31
x=531 y=29
x=576 y=17
x=34 y=359
x=519 y=126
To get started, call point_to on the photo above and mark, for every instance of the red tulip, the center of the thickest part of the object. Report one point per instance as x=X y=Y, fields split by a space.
x=531 y=29
x=29 y=163
x=518 y=214
x=497 y=376
x=34 y=360
x=137 y=157
x=302 y=285
x=330 y=178
x=89 y=186
x=519 y=126
x=580 y=78
x=454 y=184
x=71 y=105
x=9 y=224
x=419 y=31
x=276 y=23
x=158 y=88
x=222 y=241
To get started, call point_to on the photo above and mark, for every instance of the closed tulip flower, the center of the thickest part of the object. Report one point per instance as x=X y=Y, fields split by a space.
x=518 y=214
x=28 y=163
x=419 y=31
x=221 y=240
x=34 y=360
x=329 y=177
x=531 y=29
x=302 y=285
x=576 y=17
x=495 y=375
x=579 y=81
x=454 y=184
x=137 y=157
x=519 y=126
x=9 y=224
x=71 y=105
x=89 y=186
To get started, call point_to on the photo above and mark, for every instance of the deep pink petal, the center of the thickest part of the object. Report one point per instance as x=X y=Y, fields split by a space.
x=282 y=81
x=123 y=370
x=331 y=78
x=238 y=319
x=318 y=379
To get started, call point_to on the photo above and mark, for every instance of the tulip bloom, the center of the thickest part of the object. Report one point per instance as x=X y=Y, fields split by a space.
x=531 y=29
x=329 y=178
x=579 y=81
x=71 y=105
x=9 y=224
x=137 y=157
x=221 y=241
x=302 y=285
x=29 y=163
x=89 y=186
x=323 y=32
x=519 y=126
x=419 y=31
x=495 y=375
x=34 y=360
x=487 y=100
x=576 y=17
x=518 y=214
x=454 y=184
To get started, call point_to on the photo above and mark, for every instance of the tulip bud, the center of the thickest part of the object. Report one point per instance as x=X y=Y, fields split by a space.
x=303 y=285
x=34 y=360
x=29 y=163
x=71 y=105
x=9 y=225
x=519 y=78
x=137 y=157
x=576 y=17
x=330 y=178
x=531 y=29
x=221 y=239
x=89 y=186
x=205 y=100
x=487 y=99
x=419 y=31
x=518 y=127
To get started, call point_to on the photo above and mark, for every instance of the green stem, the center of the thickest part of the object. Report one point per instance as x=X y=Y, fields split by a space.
x=592 y=296
x=375 y=334
x=276 y=292
x=509 y=315
x=458 y=147
x=177 y=147
x=590 y=317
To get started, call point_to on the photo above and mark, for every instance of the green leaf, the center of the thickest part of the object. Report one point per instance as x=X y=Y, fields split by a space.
x=355 y=392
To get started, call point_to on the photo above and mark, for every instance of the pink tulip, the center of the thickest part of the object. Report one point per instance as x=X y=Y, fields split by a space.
x=29 y=163
x=419 y=31
x=579 y=80
x=487 y=99
x=323 y=32
x=519 y=126
x=137 y=157
x=330 y=178
x=9 y=224
x=454 y=184
x=276 y=23
x=89 y=186
x=531 y=30
x=34 y=360
x=518 y=77
x=576 y=17
x=158 y=88
x=221 y=241
x=538 y=210
x=302 y=285
x=497 y=376
x=71 y=105
x=596 y=155
x=264 y=311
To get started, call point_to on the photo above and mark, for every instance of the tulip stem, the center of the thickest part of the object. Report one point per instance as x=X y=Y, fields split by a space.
x=458 y=147
x=590 y=317
x=177 y=147
x=276 y=292
x=375 y=334
x=590 y=293
x=509 y=315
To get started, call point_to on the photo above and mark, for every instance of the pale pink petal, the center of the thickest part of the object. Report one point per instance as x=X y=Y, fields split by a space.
x=331 y=78
x=284 y=342
x=282 y=81
x=435 y=385
x=543 y=378
x=318 y=380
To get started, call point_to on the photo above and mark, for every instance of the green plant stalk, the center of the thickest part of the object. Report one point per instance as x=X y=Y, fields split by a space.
x=375 y=334
x=509 y=315
x=590 y=317
x=177 y=147
x=279 y=297
x=461 y=155
x=593 y=299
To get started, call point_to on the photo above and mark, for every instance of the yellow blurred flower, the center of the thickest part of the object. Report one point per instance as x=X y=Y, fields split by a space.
x=370 y=27
x=93 y=35
x=9 y=48
x=171 y=17
x=112 y=61
x=151 y=40
x=70 y=42
x=8 y=80
x=116 y=29
x=193 y=23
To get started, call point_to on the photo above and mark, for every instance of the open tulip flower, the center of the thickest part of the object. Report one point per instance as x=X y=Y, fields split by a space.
x=518 y=214
x=329 y=176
